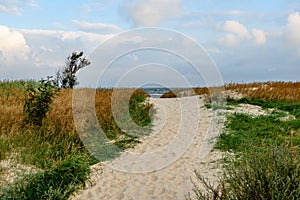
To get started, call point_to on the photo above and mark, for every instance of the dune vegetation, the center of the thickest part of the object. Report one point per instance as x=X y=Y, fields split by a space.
x=48 y=160
x=266 y=161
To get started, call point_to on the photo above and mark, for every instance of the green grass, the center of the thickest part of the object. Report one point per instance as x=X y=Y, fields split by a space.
x=266 y=164
x=57 y=182
x=245 y=132
x=62 y=161
x=140 y=113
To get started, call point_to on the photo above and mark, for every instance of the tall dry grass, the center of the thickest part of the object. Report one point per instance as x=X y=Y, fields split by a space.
x=61 y=116
x=11 y=106
x=274 y=91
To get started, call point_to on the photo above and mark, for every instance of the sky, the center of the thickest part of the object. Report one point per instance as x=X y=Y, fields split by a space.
x=243 y=41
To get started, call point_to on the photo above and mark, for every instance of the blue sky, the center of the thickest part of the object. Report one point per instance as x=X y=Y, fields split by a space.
x=247 y=40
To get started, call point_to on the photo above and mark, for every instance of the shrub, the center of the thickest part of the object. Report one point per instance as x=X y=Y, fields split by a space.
x=39 y=98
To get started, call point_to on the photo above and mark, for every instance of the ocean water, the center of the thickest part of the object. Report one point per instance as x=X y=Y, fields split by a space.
x=156 y=92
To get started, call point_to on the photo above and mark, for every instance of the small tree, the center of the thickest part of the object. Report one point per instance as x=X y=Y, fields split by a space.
x=39 y=98
x=66 y=77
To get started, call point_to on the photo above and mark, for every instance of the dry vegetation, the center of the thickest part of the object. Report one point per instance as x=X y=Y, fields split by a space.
x=275 y=91
x=60 y=115
x=11 y=105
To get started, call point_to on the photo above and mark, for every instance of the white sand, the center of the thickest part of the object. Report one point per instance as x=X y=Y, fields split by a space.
x=11 y=170
x=161 y=166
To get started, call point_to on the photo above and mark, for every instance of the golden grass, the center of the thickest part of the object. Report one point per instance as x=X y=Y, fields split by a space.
x=60 y=115
x=275 y=91
x=11 y=105
x=61 y=112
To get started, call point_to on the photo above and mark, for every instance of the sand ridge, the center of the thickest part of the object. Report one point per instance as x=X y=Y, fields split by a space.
x=163 y=164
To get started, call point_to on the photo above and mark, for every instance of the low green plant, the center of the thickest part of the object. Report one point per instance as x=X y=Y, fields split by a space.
x=139 y=109
x=4 y=147
x=208 y=105
x=54 y=183
x=60 y=164
x=262 y=174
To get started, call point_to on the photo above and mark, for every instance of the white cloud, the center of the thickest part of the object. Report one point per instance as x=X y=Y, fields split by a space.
x=27 y=54
x=91 y=38
x=259 y=36
x=13 y=46
x=292 y=31
x=238 y=33
x=235 y=27
x=96 y=27
x=152 y=12
x=50 y=47
x=15 y=6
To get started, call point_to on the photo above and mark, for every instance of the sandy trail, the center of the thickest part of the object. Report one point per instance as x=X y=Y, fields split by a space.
x=162 y=165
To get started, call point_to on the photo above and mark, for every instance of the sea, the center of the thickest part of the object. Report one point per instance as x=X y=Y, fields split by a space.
x=156 y=92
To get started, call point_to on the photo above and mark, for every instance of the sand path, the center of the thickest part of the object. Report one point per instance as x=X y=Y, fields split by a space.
x=162 y=165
